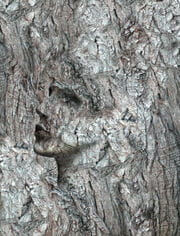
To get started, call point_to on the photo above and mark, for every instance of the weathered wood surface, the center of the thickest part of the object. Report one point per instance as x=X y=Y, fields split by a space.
x=96 y=84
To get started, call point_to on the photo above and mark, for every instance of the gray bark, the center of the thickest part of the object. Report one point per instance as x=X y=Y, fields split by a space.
x=89 y=119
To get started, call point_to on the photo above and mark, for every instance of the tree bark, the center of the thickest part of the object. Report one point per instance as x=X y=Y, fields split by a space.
x=89 y=118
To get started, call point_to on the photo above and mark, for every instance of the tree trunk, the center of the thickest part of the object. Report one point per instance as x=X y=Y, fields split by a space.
x=89 y=121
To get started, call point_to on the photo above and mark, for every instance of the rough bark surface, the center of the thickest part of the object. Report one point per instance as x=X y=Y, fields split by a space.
x=93 y=84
